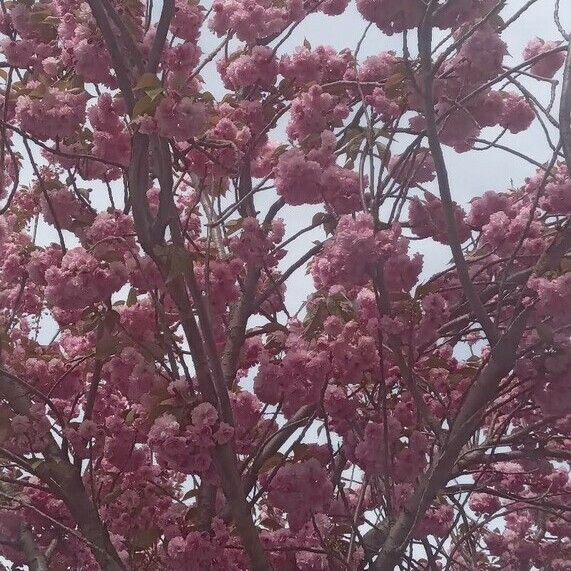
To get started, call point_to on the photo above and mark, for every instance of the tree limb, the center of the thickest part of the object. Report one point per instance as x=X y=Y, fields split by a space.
x=425 y=50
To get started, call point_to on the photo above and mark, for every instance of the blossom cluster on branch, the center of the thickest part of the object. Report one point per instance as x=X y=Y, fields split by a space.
x=163 y=405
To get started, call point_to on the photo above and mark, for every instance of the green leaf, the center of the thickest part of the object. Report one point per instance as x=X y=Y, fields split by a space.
x=423 y=290
x=270 y=523
x=152 y=352
x=5 y=423
x=130 y=418
x=302 y=452
x=107 y=346
x=273 y=461
x=154 y=93
x=36 y=464
x=329 y=225
x=318 y=218
x=341 y=306
x=145 y=106
x=232 y=226
x=111 y=320
x=395 y=84
x=38 y=92
x=206 y=97
x=132 y=297
x=315 y=317
x=280 y=150
x=84 y=192
x=355 y=140
x=180 y=262
x=190 y=494
x=274 y=342
x=148 y=81
x=145 y=538
x=192 y=516
x=545 y=333
x=383 y=151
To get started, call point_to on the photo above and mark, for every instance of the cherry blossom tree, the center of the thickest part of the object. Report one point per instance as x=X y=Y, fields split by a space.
x=165 y=404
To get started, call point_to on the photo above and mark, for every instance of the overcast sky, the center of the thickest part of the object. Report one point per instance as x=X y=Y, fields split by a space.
x=471 y=174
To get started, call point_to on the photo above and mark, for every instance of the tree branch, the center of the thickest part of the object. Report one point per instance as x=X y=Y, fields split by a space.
x=37 y=560
x=119 y=63
x=65 y=482
x=565 y=109
x=425 y=50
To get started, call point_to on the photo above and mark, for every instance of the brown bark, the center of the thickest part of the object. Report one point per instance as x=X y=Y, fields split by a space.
x=65 y=482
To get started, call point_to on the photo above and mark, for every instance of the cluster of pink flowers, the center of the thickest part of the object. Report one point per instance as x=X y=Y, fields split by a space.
x=352 y=352
x=205 y=550
x=426 y=219
x=112 y=230
x=16 y=254
x=316 y=178
x=517 y=113
x=80 y=281
x=249 y=424
x=29 y=432
x=409 y=171
x=257 y=246
x=379 y=68
x=187 y=20
x=177 y=361
x=482 y=208
x=371 y=453
x=481 y=56
x=298 y=179
x=552 y=296
x=549 y=63
x=321 y=65
x=315 y=111
x=253 y=19
x=57 y=113
x=222 y=283
x=301 y=490
x=130 y=373
x=381 y=451
x=256 y=68
x=437 y=522
x=83 y=47
x=555 y=192
x=503 y=232
x=187 y=448
x=386 y=107
x=296 y=379
x=181 y=118
x=111 y=140
x=340 y=408
x=352 y=256
x=391 y=16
